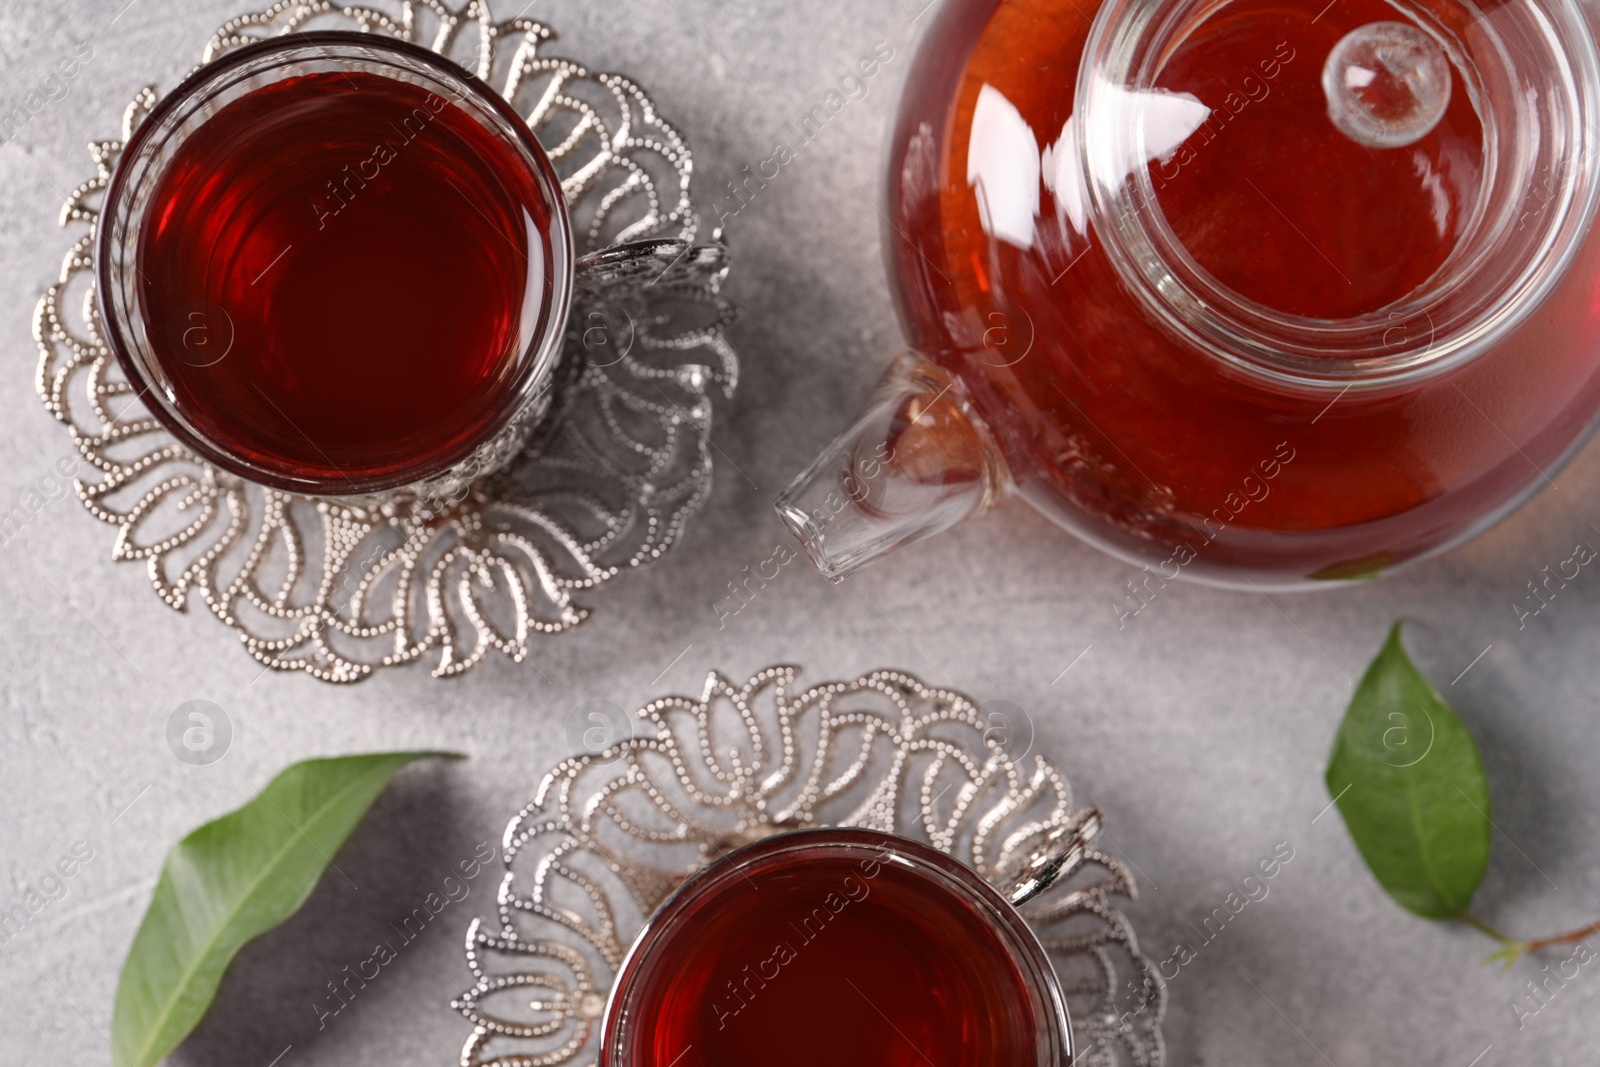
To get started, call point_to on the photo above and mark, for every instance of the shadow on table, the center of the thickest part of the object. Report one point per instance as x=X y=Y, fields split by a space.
x=379 y=937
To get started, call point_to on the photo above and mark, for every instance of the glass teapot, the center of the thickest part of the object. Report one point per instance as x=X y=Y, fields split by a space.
x=1279 y=292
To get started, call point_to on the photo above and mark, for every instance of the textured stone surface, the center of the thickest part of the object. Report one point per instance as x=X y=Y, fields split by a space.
x=1201 y=729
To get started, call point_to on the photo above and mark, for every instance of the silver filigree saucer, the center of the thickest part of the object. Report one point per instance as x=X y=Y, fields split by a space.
x=609 y=835
x=339 y=589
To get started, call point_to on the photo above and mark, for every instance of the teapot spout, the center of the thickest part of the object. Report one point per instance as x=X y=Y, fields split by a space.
x=917 y=461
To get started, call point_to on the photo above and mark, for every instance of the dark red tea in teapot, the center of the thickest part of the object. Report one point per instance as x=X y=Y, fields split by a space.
x=1246 y=292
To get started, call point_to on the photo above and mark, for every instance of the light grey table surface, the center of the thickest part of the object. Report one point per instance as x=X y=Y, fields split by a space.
x=1201 y=729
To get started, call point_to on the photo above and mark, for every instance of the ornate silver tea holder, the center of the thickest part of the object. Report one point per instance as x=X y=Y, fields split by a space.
x=339 y=588
x=611 y=833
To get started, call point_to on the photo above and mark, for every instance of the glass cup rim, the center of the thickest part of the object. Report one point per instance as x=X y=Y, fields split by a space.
x=534 y=377
x=940 y=868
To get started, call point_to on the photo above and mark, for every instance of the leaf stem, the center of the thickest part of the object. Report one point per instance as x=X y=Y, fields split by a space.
x=1478 y=924
x=1563 y=939
x=1512 y=949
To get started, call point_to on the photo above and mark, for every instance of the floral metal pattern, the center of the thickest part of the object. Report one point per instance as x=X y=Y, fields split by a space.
x=340 y=588
x=609 y=835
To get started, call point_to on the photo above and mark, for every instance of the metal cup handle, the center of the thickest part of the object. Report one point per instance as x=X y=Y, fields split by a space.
x=1058 y=855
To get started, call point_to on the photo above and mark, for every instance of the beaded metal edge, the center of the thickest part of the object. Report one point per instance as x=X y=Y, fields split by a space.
x=338 y=589
x=609 y=835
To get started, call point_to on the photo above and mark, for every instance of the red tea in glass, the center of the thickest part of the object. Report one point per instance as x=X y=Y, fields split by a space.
x=838 y=947
x=1259 y=291
x=336 y=264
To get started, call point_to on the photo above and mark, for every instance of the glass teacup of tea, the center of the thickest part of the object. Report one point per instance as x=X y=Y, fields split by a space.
x=337 y=264
x=844 y=947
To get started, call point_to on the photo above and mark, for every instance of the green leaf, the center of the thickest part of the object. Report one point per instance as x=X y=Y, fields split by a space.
x=1363 y=569
x=1508 y=955
x=1409 y=782
x=230 y=881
